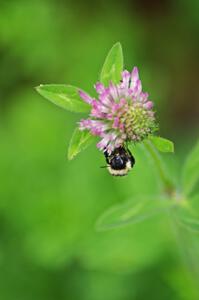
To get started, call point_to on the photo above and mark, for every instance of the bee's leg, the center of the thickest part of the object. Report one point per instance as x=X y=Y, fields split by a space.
x=131 y=157
x=106 y=156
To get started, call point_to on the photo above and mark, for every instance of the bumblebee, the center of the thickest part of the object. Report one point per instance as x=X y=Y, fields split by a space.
x=120 y=161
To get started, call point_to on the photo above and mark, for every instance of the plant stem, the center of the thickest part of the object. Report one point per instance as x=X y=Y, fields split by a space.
x=186 y=241
x=168 y=186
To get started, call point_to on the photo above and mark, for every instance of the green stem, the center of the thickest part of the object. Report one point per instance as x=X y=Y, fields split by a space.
x=168 y=186
x=186 y=241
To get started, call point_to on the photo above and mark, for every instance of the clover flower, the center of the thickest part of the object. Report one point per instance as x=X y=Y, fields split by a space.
x=122 y=112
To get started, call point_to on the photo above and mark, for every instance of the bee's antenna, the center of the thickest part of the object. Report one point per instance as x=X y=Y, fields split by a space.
x=104 y=167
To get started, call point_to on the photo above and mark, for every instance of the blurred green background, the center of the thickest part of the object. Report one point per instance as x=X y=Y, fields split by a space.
x=49 y=248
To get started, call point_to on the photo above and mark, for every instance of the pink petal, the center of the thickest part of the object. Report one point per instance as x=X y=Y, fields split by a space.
x=143 y=97
x=113 y=91
x=99 y=87
x=115 y=107
x=134 y=77
x=119 y=142
x=125 y=79
x=148 y=105
x=84 y=124
x=96 y=131
x=116 y=122
x=110 y=148
x=100 y=107
x=122 y=102
x=97 y=114
x=139 y=87
x=103 y=143
x=107 y=141
x=88 y=99
x=105 y=99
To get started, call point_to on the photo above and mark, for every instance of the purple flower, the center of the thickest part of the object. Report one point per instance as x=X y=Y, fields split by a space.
x=121 y=113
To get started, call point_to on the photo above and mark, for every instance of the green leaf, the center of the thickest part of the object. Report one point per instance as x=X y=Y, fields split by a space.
x=80 y=140
x=190 y=223
x=187 y=214
x=132 y=212
x=162 y=144
x=190 y=173
x=113 y=66
x=65 y=96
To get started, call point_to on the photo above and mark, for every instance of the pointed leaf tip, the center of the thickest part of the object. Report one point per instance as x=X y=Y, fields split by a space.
x=113 y=65
x=162 y=144
x=80 y=141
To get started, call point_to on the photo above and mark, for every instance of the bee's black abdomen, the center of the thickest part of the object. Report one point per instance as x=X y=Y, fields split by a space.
x=119 y=161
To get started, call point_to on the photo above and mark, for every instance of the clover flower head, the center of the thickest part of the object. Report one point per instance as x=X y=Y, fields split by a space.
x=122 y=112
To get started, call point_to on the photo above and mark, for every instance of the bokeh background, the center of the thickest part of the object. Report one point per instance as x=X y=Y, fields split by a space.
x=49 y=248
